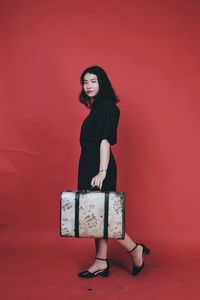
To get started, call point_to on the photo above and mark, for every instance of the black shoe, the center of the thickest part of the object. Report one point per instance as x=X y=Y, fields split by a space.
x=137 y=269
x=104 y=272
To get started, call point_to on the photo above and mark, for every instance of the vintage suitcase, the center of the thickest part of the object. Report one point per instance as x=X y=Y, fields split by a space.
x=88 y=213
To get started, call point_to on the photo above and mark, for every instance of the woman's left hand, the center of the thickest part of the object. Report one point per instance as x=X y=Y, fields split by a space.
x=98 y=180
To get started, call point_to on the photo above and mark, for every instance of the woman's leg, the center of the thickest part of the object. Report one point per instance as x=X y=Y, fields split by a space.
x=101 y=252
x=101 y=247
x=128 y=244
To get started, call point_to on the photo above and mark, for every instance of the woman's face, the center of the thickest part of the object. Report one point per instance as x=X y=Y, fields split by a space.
x=90 y=84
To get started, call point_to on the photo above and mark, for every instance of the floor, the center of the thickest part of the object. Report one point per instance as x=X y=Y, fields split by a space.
x=40 y=264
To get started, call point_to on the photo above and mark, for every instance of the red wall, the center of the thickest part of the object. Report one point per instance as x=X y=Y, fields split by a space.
x=150 y=50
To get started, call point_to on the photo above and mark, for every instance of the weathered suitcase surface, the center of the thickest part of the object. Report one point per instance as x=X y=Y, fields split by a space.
x=87 y=213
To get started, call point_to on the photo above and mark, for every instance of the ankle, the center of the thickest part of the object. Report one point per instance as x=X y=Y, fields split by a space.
x=100 y=264
x=133 y=248
x=101 y=257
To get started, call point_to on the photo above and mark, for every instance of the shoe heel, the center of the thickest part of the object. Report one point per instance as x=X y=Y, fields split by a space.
x=105 y=273
x=146 y=250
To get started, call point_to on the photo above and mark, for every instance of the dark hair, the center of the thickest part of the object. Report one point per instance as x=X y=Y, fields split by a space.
x=106 y=91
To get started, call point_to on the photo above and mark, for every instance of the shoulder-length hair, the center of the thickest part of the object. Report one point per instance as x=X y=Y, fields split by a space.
x=106 y=91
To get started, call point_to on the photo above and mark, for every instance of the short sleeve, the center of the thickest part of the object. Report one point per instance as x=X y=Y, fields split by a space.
x=109 y=124
x=101 y=123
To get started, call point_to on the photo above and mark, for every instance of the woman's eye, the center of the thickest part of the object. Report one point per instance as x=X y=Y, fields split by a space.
x=93 y=81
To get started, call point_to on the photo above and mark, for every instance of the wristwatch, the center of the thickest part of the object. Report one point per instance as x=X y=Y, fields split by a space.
x=102 y=170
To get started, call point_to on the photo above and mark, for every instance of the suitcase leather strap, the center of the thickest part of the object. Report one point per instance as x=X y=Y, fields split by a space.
x=106 y=213
x=77 y=200
x=106 y=207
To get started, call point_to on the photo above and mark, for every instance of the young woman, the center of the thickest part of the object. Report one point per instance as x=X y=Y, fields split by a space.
x=97 y=167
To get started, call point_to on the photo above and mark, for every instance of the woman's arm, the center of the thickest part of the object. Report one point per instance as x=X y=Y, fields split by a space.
x=104 y=161
x=104 y=154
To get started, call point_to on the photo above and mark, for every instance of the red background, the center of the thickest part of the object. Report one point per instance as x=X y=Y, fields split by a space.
x=150 y=51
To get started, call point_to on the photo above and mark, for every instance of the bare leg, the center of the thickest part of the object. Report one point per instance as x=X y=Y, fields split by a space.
x=128 y=244
x=101 y=252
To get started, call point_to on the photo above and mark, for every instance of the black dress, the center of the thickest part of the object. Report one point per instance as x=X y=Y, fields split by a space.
x=101 y=123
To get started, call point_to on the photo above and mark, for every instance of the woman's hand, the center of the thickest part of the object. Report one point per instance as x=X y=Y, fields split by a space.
x=98 y=179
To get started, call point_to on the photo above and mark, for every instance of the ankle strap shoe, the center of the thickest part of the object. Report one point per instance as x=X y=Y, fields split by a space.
x=104 y=272
x=137 y=269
